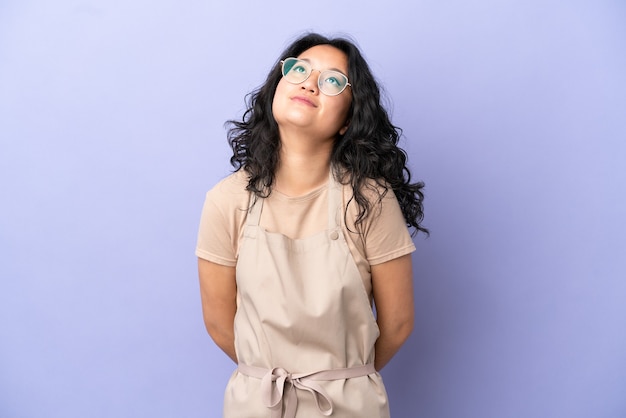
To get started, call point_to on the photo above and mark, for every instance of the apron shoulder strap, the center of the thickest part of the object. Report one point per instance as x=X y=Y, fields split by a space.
x=254 y=210
x=335 y=198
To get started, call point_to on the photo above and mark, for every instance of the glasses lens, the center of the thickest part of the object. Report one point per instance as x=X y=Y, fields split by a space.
x=331 y=83
x=296 y=71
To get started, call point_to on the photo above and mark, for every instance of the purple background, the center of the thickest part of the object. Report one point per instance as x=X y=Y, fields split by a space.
x=514 y=114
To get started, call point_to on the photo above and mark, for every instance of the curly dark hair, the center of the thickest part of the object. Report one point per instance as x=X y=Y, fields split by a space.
x=367 y=151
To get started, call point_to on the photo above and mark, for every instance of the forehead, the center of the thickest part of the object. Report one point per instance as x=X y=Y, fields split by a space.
x=326 y=57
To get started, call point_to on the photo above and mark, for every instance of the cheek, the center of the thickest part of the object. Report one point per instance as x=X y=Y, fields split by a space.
x=279 y=96
x=282 y=89
x=343 y=108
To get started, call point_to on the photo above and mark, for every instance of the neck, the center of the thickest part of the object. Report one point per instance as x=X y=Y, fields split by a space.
x=303 y=166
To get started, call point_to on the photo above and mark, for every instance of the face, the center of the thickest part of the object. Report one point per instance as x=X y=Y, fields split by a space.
x=304 y=108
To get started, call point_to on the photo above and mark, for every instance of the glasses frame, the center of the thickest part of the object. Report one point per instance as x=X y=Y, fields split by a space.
x=319 y=77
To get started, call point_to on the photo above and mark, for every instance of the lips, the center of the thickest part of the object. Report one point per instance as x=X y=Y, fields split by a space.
x=305 y=100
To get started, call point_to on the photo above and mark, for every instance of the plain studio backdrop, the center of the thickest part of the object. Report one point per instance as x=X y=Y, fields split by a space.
x=111 y=132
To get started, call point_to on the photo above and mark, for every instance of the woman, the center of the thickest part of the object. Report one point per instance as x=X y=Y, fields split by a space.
x=310 y=230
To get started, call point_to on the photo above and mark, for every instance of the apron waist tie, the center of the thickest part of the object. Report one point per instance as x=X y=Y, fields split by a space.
x=278 y=383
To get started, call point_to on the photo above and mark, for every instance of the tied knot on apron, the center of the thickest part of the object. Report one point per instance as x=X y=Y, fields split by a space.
x=278 y=385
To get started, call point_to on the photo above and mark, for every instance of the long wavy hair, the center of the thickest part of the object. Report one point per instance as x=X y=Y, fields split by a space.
x=366 y=155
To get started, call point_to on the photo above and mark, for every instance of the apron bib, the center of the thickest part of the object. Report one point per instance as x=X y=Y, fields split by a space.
x=304 y=327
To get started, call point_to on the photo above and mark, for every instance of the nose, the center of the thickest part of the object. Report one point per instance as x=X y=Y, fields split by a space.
x=310 y=84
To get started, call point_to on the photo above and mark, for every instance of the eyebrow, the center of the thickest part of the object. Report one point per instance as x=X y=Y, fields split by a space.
x=332 y=68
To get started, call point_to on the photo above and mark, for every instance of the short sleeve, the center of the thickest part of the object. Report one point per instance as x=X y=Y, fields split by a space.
x=221 y=221
x=385 y=234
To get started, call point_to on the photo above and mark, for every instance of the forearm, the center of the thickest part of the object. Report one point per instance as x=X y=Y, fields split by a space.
x=223 y=336
x=393 y=295
x=390 y=341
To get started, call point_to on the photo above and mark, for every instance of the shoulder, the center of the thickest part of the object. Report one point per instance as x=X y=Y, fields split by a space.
x=376 y=193
x=383 y=234
x=230 y=191
x=223 y=216
x=234 y=183
x=227 y=202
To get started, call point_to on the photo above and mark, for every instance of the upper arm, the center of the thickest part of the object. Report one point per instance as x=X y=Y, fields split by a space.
x=392 y=287
x=218 y=290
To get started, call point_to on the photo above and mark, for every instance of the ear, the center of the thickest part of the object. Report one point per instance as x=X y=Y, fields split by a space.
x=344 y=128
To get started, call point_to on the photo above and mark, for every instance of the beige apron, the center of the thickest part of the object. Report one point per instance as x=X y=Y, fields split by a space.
x=304 y=327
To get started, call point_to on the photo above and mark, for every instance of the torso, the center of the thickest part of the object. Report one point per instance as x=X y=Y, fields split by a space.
x=302 y=307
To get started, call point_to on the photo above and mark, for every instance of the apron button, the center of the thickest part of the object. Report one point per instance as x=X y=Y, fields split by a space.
x=334 y=235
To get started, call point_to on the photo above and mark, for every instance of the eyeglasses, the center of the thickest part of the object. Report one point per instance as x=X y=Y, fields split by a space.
x=330 y=82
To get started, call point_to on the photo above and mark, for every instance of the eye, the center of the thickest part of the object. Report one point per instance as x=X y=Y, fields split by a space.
x=299 y=68
x=295 y=66
x=333 y=81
